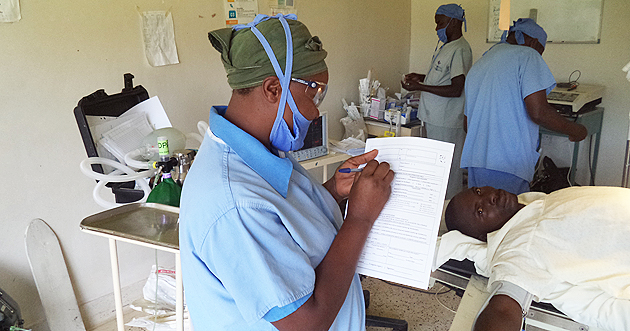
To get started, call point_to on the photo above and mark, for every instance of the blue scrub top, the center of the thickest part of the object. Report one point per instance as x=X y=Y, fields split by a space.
x=253 y=228
x=501 y=136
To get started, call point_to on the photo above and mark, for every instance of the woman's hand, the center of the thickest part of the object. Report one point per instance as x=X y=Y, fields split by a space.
x=340 y=184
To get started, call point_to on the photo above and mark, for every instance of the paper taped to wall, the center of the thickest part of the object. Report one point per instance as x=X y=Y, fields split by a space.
x=10 y=11
x=159 y=38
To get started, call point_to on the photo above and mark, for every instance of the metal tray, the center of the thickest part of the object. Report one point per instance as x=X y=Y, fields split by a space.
x=152 y=223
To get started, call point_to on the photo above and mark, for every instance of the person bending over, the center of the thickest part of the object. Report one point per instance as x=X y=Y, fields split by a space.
x=506 y=101
x=569 y=248
x=263 y=245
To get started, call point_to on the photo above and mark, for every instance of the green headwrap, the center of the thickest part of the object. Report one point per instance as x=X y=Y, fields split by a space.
x=246 y=62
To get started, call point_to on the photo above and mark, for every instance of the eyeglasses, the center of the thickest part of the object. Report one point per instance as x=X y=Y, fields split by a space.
x=321 y=89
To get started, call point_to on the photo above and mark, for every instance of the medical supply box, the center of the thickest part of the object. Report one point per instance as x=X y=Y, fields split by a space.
x=407 y=115
x=100 y=107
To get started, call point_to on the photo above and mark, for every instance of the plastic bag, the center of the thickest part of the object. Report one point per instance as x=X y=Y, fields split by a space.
x=353 y=123
x=160 y=323
x=166 y=288
x=354 y=129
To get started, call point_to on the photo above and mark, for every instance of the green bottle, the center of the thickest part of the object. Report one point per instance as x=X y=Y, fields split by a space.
x=167 y=192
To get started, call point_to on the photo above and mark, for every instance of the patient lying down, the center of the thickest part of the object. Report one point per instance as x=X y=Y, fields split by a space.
x=570 y=248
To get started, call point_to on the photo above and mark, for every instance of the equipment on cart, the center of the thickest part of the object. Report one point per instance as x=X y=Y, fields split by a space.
x=99 y=107
x=9 y=312
x=120 y=133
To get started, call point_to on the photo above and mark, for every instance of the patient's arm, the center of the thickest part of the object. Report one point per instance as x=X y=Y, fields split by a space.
x=502 y=313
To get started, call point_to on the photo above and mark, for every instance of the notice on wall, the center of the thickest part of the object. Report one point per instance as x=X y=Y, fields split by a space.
x=401 y=244
x=283 y=7
x=240 y=11
x=10 y=11
x=159 y=38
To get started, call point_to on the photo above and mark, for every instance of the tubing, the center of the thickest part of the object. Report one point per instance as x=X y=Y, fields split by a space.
x=115 y=176
x=130 y=173
x=194 y=136
x=106 y=204
x=124 y=173
x=202 y=127
x=97 y=197
x=132 y=162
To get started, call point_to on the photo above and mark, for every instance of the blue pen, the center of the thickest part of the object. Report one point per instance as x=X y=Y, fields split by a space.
x=350 y=170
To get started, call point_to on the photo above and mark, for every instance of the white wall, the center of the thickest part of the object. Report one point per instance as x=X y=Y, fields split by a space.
x=599 y=63
x=63 y=50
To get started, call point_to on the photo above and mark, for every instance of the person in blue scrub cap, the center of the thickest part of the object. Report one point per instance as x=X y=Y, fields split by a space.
x=442 y=88
x=506 y=102
x=263 y=245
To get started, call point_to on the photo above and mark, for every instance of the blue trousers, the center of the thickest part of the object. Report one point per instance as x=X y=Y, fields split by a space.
x=480 y=177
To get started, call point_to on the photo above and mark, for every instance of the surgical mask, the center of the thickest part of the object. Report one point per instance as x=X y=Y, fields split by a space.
x=281 y=136
x=441 y=33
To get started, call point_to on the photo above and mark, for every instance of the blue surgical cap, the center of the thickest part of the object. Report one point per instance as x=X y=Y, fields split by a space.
x=529 y=27
x=453 y=11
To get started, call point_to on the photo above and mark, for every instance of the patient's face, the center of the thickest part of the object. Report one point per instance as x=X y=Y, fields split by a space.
x=485 y=209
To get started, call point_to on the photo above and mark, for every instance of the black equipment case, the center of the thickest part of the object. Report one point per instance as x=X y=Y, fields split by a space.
x=100 y=104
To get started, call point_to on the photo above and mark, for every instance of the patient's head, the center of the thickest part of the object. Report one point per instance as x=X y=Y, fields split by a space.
x=478 y=211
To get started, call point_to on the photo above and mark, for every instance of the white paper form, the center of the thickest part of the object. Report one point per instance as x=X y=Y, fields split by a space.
x=401 y=245
x=129 y=128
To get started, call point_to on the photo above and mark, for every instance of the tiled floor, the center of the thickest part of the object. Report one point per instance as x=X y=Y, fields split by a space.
x=423 y=311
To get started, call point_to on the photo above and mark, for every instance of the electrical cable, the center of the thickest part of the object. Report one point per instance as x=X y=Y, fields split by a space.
x=417 y=290
x=575 y=81
x=438 y=292
x=440 y=302
x=590 y=163
x=156 y=290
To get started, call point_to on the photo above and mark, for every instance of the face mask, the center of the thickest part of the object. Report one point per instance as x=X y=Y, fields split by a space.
x=281 y=136
x=441 y=33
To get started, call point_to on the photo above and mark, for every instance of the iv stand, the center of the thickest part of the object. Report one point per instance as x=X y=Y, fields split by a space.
x=625 y=178
x=626 y=160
